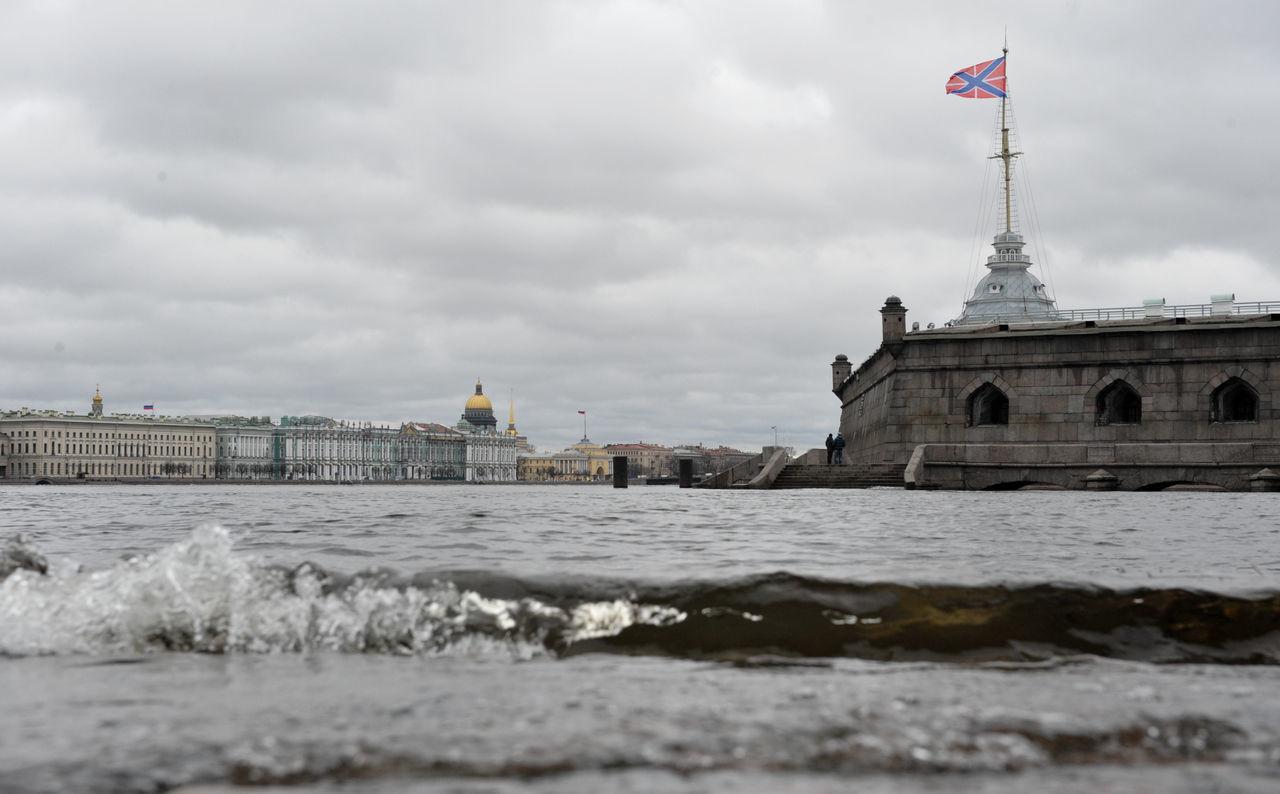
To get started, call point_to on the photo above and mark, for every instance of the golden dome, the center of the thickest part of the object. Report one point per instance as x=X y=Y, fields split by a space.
x=478 y=402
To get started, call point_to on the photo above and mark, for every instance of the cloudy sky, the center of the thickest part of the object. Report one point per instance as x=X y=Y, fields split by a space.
x=670 y=214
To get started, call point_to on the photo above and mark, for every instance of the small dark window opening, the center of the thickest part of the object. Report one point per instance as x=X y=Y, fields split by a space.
x=988 y=406
x=1119 y=404
x=1235 y=401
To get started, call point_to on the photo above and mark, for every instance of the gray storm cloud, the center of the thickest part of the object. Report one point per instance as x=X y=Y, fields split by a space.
x=671 y=215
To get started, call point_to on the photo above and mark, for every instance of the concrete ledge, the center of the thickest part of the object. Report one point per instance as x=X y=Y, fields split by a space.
x=1136 y=466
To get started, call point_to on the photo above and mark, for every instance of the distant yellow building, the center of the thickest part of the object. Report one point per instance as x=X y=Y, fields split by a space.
x=599 y=461
x=535 y=468
x=583 y=462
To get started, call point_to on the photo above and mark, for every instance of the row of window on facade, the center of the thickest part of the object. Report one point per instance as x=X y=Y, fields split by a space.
x=117 y=450
x=98 y=469
x=1120 y=404
x=109 y=436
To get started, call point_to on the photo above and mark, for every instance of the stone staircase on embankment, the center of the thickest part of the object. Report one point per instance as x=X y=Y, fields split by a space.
x=859 y=475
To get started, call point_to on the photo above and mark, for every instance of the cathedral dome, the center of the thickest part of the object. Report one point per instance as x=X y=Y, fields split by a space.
x=479 y=411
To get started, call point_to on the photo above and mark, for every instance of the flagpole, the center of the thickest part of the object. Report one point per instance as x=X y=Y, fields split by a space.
x=1004 y=141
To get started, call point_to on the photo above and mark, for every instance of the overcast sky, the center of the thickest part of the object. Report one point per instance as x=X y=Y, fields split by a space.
x=670 y=214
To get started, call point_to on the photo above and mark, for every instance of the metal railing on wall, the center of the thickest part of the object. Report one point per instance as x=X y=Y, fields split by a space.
x=1184 y=310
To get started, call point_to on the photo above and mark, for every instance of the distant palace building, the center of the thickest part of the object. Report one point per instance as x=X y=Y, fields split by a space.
x=319 y=448
x=37 y=445
x=323 y=449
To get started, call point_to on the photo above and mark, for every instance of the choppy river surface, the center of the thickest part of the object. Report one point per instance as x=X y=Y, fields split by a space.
x=548 y=639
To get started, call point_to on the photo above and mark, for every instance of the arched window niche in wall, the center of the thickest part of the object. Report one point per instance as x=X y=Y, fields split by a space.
x=1119 y=404
x=1234 y=401
x=988 y=406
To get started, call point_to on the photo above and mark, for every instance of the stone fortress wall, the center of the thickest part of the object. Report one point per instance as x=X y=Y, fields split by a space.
x=1149 y=402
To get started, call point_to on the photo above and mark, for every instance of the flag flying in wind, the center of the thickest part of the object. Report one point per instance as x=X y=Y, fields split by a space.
x=981 y=81
x=148 y=407
x=584 y=413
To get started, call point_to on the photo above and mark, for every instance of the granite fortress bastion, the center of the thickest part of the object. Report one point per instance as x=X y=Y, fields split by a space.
x=1135 y=404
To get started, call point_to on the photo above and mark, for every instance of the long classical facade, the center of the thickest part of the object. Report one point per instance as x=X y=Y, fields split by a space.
x=320 y=448
x=47 y=445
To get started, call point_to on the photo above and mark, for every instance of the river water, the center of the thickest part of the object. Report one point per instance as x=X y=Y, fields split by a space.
x=557 y=638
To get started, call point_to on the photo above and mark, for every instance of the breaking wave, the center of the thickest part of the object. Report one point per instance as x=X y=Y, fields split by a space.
x=199 y=595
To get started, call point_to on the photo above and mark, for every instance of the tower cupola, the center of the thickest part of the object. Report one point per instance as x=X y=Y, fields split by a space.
x=893 y=320
x=1008 y=293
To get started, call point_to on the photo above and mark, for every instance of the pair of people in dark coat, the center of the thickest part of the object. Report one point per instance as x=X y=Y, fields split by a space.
x=835 y=446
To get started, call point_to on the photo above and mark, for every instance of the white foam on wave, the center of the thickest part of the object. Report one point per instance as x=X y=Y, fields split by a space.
x=199 y=595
